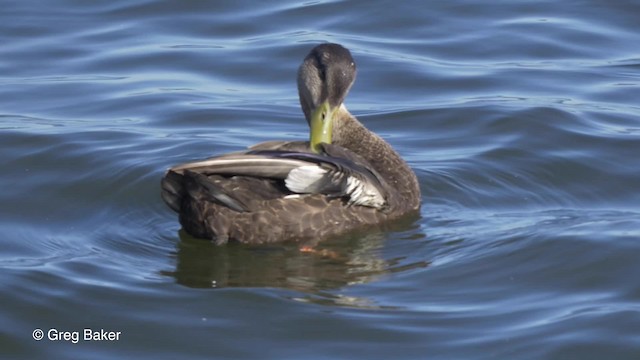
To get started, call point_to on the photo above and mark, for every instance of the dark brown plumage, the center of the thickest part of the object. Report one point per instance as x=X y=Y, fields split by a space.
x=345 y=178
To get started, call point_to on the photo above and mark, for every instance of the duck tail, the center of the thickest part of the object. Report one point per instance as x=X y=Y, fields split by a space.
x=176 y=186
x=173 y=190
x=192 y=195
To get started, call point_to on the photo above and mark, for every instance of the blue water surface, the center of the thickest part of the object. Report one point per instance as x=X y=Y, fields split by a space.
x=520 y=118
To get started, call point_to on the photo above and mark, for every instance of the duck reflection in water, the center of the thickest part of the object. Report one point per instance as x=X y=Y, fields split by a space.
x=336 y=263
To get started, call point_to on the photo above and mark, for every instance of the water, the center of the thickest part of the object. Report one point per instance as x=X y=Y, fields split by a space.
x=521 y=120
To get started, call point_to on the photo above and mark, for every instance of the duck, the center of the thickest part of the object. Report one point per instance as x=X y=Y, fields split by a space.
x=344 y=178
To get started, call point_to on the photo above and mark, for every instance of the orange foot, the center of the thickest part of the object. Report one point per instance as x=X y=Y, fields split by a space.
x=307 y=248
x=322 y=252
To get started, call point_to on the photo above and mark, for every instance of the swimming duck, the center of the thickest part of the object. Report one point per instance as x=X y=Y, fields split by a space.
x=344 y=178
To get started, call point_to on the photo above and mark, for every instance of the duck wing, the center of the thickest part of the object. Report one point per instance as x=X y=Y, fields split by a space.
x=266 y=171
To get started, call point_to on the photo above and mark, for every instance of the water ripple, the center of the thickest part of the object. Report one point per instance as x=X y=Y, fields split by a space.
x=520 y=119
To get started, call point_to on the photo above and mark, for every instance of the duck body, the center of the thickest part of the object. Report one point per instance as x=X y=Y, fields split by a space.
x=345 y=178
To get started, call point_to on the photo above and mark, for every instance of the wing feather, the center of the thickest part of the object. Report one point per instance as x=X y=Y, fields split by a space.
x=335 y=172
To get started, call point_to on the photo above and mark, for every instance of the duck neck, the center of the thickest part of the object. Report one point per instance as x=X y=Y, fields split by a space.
x=349 y=133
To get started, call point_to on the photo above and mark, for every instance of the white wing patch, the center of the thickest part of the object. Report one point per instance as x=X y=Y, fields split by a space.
x=293 y=196
x=310 y=179
x=305 y=179
x=363 y=193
